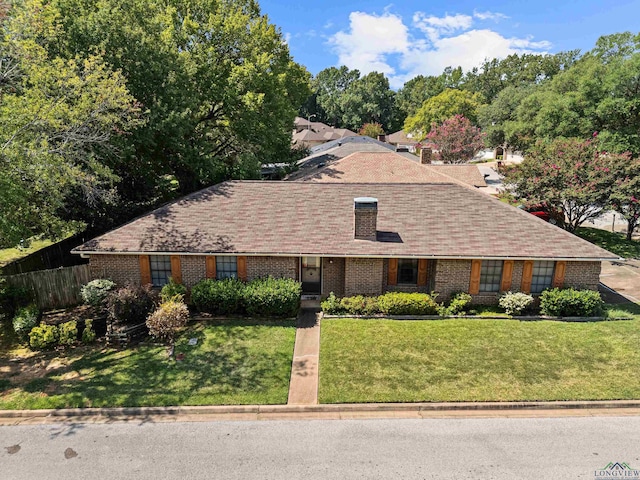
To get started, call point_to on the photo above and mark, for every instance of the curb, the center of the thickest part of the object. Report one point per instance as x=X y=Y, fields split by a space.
x=71 y=413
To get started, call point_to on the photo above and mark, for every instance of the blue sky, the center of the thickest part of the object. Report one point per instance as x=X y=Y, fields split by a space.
x=410 y=38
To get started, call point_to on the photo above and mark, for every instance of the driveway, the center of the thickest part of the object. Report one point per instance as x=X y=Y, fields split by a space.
x=624 y=278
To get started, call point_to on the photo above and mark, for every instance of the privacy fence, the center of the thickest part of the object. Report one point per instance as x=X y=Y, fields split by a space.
x=56 y=288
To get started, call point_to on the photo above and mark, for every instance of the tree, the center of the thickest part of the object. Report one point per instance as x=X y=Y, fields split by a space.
x=445 y=105
x=625 y=192
x=570 y=175
x=215 y=82
x=368 y=99
x=456 y=140
x=371 y=130
x=329 y=85
x=60 y=119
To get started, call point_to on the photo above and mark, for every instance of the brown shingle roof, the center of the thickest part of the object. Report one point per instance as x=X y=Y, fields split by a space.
x=466 y=173
x=293 y=218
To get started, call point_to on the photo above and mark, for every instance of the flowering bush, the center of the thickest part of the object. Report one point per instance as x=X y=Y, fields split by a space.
x=456 y=140
x=96 y=291
x=514 y=303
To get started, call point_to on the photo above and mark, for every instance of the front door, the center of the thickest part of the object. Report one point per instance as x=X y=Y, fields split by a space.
x=311 y=275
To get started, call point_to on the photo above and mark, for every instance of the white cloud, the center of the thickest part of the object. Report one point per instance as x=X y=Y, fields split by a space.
x=384 y=43
x=489 y=16
x=369 y=40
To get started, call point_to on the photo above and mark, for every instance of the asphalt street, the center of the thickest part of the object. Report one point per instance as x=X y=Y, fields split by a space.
x=500 y=448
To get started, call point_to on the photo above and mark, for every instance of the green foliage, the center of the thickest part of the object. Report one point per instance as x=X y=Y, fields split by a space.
x=68 y=333
x=170 y=316
x=445 y=105
x=219 y=296
x=12 y=298
x=131 y=304
x=96 y=292
x=371 y=130
x=43 y=337
x=360 y=305
x=612 y=241
x=25 y=319
x=332 y=305
x=571 y=303
x=514 y=303
x=273 y=297
x=88 y=334
x=171 y=290
x=458 y=304
x=397 y=303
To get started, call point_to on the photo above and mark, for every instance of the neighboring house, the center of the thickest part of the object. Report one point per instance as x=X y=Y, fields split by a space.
x=308 y=134
x=348 y=238
x=390 y=167
x=403 y=139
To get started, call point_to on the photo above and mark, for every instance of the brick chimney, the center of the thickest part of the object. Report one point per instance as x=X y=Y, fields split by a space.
x=382 y=138
x=366 y=218
x=425 y=156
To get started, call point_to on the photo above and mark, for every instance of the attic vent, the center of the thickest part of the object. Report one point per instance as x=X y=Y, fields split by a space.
x=402 y=149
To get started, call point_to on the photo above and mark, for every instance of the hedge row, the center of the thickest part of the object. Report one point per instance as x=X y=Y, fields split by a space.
x=270 y=297
x=392 y=303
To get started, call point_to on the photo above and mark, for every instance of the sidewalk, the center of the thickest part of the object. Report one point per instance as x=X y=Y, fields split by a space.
x=303 y=387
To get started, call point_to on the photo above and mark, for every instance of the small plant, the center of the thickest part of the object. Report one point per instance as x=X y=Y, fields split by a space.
x=570 y=302
x=273 y=297
x=43 y=336
x=360 y=305
x=171 y=289
x=12 y=298
x=219 y=296
x=397 y=303
x=68 y=333
x=130 y=304
x=459 y=304
x=26 y=318
x=169 y=317
x=96 y=292
x=514 y=303
x=88 y=334
x=332 y=305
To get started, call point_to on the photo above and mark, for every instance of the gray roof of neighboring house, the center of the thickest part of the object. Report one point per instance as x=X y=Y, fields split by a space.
x=400 y=137
x=306 y=218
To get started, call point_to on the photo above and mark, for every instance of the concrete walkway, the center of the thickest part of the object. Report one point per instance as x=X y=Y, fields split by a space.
x=303 y=387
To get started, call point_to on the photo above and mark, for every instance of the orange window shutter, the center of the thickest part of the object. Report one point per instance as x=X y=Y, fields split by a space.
x=242 y=268
x=145 y=269
x=210 y=263
x=507 y=274
x=392 y=275
x=558 y=274
x=527 y=276
x=422 y=271
x=474 y=283
x=176 y=269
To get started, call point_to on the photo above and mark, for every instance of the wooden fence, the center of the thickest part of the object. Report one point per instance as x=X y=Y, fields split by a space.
x=56 y=288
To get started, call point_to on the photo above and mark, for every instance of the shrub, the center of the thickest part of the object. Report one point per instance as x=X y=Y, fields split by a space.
x=96 y=292
x=332 y=305
x=88 y=334
x=273 y=297
x=26 y=318
x=396 y=303
x=219 y=296
x=169 y=317
x=12 y=298
x=171 y=289
x=571 y=303
x=360 y=305
x=131 y=304
x=68 y=333
x=43 y=336
x=514 y=303
x=457 y=305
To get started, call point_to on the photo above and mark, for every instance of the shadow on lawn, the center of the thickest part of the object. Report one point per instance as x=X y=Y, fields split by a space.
x=220 y=364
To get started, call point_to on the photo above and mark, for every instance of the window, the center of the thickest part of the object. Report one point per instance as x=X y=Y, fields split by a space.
x=490 y=275
x=542 y=276
x=226 y=267
x=407 y=271
x=160 y=269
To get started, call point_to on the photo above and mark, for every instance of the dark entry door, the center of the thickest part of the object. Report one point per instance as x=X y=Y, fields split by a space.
x=311 y=275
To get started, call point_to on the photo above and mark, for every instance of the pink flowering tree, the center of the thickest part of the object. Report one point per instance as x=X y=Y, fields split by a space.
x=456 y=140
x=570 y=176
x=625 y=192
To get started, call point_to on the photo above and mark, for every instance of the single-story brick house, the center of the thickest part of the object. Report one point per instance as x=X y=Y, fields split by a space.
x=348 y=238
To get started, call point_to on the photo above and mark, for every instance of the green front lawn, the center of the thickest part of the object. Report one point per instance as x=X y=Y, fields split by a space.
x=614 y=242
x=234 y=362
x=478 y=360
